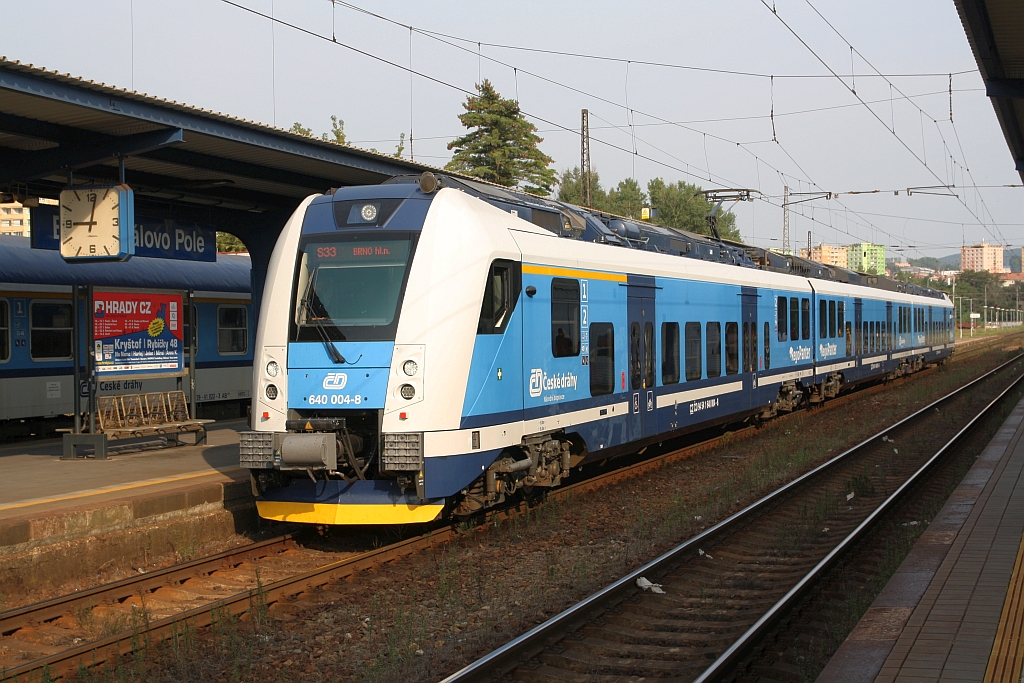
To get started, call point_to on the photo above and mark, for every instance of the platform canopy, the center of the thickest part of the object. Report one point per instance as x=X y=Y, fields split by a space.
x=995 y=30
x=193 y=163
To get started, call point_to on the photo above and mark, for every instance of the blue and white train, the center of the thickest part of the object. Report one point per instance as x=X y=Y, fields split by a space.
x=36 y=335
x=432 y=347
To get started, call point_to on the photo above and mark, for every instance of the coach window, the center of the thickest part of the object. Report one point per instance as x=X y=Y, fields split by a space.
x=714 y=349
x=693 y=352
x=186 y=328
x=232 y=330
x=50 y=331
x=5 y=330
x=805 y=318
x=832 y=319
x=823 y=319
x=565 y=317
x=635 y=371
x=746 y=347
x=670 y=353
x=649 y=355
x=753 y=347
x=767 y=349
x=794 y=319
x=499 y=298
x=782 y=309
x=732 y=348
x=849 y=340
x=602 y=359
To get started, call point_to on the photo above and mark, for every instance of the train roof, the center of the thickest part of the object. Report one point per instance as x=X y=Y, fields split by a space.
x=23 y=265
x=591 y=225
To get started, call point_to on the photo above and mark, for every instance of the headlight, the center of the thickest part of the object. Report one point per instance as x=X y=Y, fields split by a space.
x=410 y=367
x=271 y=392
x=369 y=213
x=273 y=368
x=407 y=391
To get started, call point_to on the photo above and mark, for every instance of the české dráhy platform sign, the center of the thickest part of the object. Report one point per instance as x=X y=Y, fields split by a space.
x=137 y=333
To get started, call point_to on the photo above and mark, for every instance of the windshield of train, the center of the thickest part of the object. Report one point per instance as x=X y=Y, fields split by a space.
x=350 y=289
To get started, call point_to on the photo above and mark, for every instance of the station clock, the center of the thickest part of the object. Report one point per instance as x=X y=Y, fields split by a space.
x=97 y=223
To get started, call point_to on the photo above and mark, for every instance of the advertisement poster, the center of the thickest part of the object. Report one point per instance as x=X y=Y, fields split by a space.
x=137 y=333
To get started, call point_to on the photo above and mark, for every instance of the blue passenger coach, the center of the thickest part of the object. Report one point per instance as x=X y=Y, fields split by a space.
x=36 y=336
x=450 y=344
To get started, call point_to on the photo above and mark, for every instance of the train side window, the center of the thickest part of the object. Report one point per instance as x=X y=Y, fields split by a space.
x=841 y=316
x=232 y=330
x=649 y=355
x=767 y=349
x=832 y=319
x=565 y=317
x=753 y=347
x=5 y=330
x=746 y=347
x=693 y=352
x=186 y=328
x=714 y=349
x=823 y=319
x=794 y=319
x=602 y=359
x=732 y=348
x=500 y=294
x=634 y=357
x=782 y=309
x=805 y=318
x=670 y=353
x=50 y=331
x=866 y=338
x=849 y=339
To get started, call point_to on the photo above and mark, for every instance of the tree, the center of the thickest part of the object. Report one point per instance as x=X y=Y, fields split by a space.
x=301 y=130
x=228 y=242
x=570 y=189
x=401 y=145
x=626 y=199
x=501 y=146
x=337 y=131
x=680 y=205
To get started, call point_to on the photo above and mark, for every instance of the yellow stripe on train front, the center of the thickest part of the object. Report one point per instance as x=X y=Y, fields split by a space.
x=324 y=513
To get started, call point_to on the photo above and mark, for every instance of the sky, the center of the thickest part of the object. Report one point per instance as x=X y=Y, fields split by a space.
x=650 y=73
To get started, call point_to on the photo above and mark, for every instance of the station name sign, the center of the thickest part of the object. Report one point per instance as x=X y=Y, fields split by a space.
x=154 y=237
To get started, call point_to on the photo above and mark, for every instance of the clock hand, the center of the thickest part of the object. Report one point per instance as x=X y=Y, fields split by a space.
x=92 y=216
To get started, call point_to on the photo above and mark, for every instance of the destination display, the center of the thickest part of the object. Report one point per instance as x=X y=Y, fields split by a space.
x=137 y=333
x=154 y=237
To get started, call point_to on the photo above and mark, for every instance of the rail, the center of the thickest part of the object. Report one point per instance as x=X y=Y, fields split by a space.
x=528 y=645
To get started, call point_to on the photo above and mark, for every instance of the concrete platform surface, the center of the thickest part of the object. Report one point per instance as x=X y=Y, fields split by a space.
x=954 y=610
x=34 y=480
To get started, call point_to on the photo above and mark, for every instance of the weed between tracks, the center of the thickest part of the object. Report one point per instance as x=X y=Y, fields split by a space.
x=423 y=617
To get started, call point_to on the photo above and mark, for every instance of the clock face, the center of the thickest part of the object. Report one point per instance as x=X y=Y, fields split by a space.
x=91 y=223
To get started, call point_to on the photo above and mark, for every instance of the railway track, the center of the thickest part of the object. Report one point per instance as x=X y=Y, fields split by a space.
x=59 y=635
x=726 y=588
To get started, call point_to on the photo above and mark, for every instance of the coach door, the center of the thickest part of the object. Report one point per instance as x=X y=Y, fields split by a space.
x=752 y=361
x=642 y=357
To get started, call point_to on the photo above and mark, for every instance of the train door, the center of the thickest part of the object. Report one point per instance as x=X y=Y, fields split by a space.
x=642 y=357
x=752 y=360
x=931 y=329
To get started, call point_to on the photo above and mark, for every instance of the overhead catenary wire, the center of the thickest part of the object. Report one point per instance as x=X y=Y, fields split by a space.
x=892 y=85
x=630 y=111
x=433 y=79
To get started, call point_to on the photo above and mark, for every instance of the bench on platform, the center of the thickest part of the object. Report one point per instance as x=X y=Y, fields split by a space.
x=129 y=416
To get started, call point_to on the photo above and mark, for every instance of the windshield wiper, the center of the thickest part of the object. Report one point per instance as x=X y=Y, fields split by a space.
x=332 y=350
